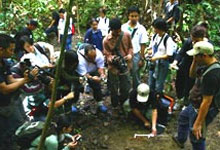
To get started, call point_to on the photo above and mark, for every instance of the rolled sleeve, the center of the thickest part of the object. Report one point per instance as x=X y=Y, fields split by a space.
x=100 y=60
x=143 y=37
x=171 y=47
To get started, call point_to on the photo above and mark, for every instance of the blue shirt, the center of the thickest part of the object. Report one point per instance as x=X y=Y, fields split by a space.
x=94 y=38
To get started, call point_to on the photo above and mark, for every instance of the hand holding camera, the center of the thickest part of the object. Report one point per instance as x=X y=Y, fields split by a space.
x=31 y=74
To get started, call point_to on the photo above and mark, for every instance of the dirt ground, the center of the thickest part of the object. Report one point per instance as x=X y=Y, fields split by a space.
x=115 y=132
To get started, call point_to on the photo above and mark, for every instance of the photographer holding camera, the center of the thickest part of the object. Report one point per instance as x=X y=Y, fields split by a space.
x=91 y=66
x=10 y=115
x=119 y=53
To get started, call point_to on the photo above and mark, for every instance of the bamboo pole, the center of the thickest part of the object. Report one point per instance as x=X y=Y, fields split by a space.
x=57 y=76
x=77 y=19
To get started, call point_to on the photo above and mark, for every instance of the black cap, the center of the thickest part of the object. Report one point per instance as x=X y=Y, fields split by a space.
x=33 y=22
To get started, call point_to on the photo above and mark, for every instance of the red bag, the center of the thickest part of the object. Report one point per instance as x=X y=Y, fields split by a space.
x=73 y=29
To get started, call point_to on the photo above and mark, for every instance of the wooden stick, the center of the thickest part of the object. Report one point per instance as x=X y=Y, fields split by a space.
x=57 y=76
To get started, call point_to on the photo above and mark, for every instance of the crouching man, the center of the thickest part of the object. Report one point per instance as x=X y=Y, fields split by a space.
x=141 y=100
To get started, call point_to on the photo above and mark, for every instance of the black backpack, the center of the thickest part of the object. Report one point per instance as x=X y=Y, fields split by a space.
x=195 y=94
x=28 y=132
x=171 y=58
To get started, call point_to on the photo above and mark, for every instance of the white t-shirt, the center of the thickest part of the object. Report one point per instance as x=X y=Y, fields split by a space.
x=48 y=46
x=36 y=58
x=85 y=67
x=103 y=25
x=61 y=25
x=171 y=46
x=140 y=36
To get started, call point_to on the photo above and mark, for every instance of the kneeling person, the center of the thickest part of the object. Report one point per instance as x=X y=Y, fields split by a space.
x=141 y=100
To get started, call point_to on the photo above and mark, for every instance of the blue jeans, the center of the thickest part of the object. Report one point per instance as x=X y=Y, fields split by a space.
x=186 y=120
x=158 y=76
x=134 y=71
x=68 y=42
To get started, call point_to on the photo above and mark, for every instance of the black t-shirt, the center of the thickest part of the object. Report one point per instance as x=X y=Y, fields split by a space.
x=185 y=60
x=55 y=17
x=4 y=73
x=211 y=82
x=142 y=106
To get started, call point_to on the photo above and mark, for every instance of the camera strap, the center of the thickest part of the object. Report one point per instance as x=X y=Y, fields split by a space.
x=156 y=45
x=116 y=48
x=87 y=58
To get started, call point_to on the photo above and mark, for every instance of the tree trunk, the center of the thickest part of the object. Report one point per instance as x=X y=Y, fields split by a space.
x=57 y=77
x=77 y=18
x=146 y=4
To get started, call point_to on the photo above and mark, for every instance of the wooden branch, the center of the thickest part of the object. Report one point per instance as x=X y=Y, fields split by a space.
x=57 y=76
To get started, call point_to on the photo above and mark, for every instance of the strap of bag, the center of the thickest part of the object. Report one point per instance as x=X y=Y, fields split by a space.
x=41 y=50
x=86 y=58
x=213 y=66
x=134 y=31
x=119 y=41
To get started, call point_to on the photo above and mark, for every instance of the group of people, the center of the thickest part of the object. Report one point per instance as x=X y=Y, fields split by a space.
x=116 y=52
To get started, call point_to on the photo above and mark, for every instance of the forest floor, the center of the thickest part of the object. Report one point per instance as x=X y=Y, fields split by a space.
x=102 y=131
x=111 y=131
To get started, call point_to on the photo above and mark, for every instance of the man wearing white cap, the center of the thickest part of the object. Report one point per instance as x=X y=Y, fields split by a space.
x=142 y=100
x=195 y=118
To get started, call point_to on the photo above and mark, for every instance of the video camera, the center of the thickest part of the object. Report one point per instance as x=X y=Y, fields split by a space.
x=120 y=63
x=43 y=75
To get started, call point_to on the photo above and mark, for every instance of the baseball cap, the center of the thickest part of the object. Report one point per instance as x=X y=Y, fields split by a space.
x=33 y=22
x=143 y=91
x=202 y=47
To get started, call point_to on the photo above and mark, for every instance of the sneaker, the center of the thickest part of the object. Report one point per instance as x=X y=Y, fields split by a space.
x=103 y=108
x=179 y=144
x=160 y=128
x=74 y=109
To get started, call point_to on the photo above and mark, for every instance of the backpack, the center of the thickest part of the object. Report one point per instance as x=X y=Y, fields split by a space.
x=171 y=58
x=73 y=29
x=28 y=132
x=98 y=19
x=195 y=94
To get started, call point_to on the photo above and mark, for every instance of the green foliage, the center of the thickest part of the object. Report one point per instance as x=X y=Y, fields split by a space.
x=88 y=9
x=18 y=13
x=203 y=12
